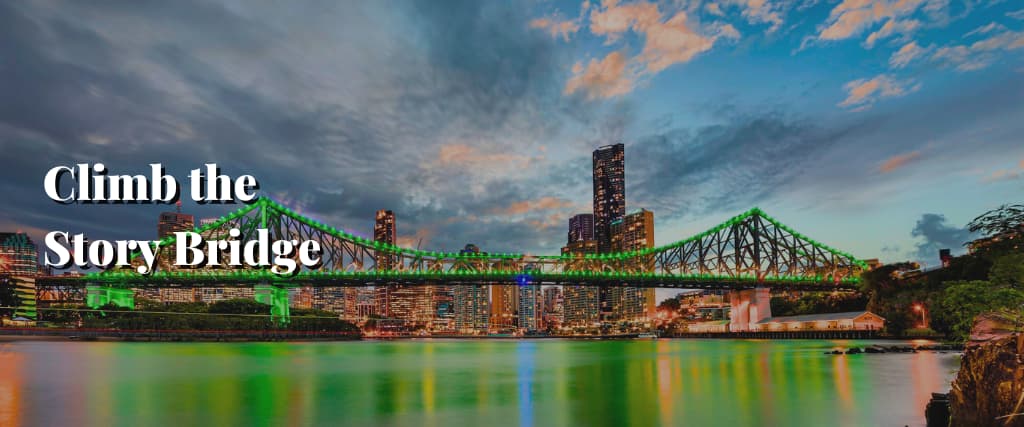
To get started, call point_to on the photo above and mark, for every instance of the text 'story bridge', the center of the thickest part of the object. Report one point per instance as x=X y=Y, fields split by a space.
x=751 y=251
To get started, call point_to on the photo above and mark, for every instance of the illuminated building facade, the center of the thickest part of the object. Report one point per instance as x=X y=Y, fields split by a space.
x=552 y=306
x=18 y=255
x=171 y=222
x=609 y=206
x=581 y=227
x=471 y=304
x=635 y=231
x=504 y=306
x=530 y=307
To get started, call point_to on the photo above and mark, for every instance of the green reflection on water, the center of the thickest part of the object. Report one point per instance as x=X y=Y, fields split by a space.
x=467 y=382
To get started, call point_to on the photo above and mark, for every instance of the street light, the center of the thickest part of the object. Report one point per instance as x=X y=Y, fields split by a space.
x=920 y=309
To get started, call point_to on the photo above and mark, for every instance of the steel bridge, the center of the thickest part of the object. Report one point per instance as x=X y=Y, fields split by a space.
x=751 y=250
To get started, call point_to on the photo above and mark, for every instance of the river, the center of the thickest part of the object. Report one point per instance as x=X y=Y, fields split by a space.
x=487 y=383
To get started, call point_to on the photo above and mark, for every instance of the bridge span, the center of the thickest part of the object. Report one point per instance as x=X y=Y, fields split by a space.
x=747 y=254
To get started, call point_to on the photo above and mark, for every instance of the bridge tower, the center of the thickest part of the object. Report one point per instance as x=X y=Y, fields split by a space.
x=747 y=307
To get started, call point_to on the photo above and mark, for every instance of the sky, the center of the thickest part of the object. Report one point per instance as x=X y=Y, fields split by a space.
x=879 y=128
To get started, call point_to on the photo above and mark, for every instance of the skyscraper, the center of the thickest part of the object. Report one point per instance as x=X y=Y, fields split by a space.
x=609 y=206
x=581 y=227
x=412 y=304
x=385 y=231
x=635 y=231
x=553 y=304
x=530 y=307
x=581 y=304
x=471 y=304
x=609 y=192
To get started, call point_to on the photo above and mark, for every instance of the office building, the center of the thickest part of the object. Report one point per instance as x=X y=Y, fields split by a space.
x=172 y=222
x=552 y=307
x=531 y=308
x=581 y=228
x=609 y=192
x=504 y=307
x=471 y=304
x=634 y=232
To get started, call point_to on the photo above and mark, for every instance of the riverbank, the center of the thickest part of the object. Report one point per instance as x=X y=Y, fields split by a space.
x=61 y=334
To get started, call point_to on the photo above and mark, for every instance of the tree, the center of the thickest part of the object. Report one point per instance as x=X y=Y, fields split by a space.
x=1002 y=229
x=670 y=305
x=963 y=301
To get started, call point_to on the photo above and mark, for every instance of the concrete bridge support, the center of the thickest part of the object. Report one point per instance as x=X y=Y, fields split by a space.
x=747 y=307
x=277 y=298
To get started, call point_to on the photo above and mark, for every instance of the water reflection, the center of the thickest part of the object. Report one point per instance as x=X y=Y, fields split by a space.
x=451 y=383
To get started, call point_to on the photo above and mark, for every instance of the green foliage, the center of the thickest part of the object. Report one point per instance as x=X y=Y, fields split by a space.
x=1008 y=270
x=963 y=301
x=818 y=303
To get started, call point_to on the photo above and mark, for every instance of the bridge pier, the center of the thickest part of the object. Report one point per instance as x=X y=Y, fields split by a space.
x=747 y=307
x=277 y=298
x=97 y=296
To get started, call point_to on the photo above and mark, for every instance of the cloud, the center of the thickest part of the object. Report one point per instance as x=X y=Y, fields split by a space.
x=851 y=17
x=674 y=42
x=723 y=167
x=937 y=234
x=862 y=93
x=541 y=204
x=760 y=12
x=891 y=27
x=666 y=42
x=981 y=53
x=605 y=78
x=906 y=54
x=714 y=9
x=556 y=27
x=899 y=161
x=1006 y=174
x=985 y=29
x=1017 y=14
x=424 y=123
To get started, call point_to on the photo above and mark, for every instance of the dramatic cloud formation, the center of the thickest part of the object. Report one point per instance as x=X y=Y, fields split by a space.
x=475 y=121
x=891 y=27
x=666 y=41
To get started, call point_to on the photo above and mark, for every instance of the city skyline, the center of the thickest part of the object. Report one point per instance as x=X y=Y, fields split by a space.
x=868 y=158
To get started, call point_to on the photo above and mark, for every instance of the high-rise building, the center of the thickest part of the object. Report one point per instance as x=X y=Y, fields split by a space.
x=609 y=192
x=609 y=206
x=581 y=304
x=471 y=304
x=412 y=304
x=531 y=307
x=444 y=308
x=504 y=306
x=635 y=231
x=552 y=306
x=385 y=231
x=18 y=255
x=172 y=222
x=581 y=228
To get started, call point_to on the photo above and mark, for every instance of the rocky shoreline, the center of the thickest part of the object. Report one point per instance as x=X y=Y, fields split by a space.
x=881 y=349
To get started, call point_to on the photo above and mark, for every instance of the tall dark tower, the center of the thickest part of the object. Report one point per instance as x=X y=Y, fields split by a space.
x=609 y=192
